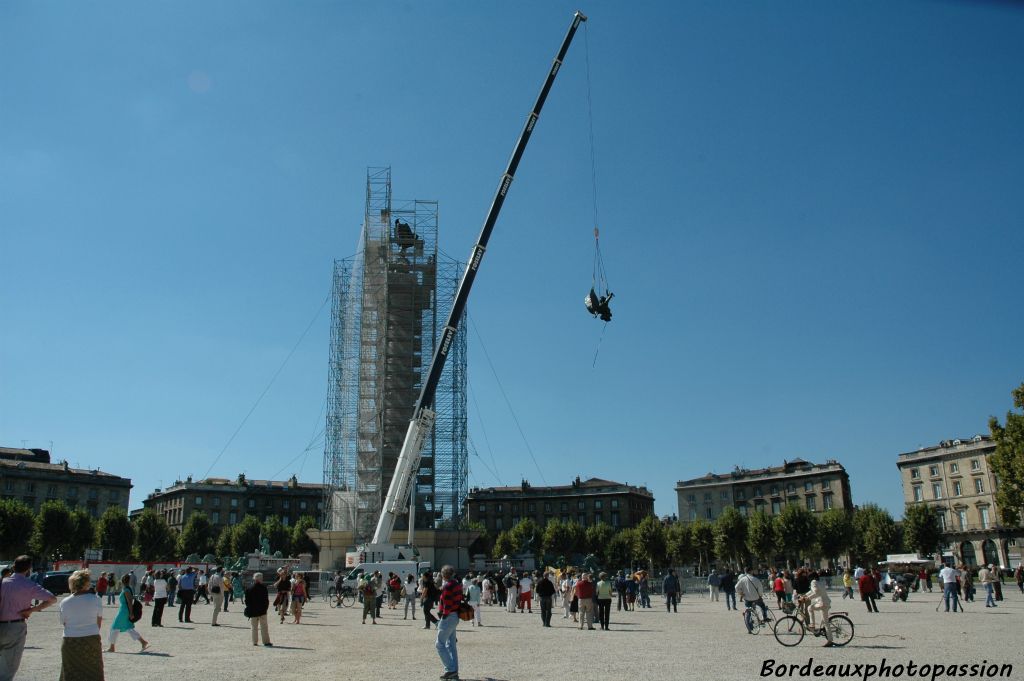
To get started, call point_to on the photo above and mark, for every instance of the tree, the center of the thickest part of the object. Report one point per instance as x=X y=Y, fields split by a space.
x=115 y=534
x=679 y=544
x=527 y=536
x=197 y=536
x=301 y=543
x=279 y=536
x=246 y=536
x=731 y=535
x=620 y=549
x=225 y=542
x=504 y=545
x=558 y=541
x=83 y=533
x=797 y=530
x=921 y=531
x=762 y=538
x=703 y=535
x=596 y=539
x=1007 y=461
x=53 y=527
x=875 y=533
x=835 y=533
x=16 y=524
x=153 y=537
x=649 y=541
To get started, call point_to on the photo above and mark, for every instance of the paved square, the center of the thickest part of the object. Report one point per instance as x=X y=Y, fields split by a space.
x=702 y=641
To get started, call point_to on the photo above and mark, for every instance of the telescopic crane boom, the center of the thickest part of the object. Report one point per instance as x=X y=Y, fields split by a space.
x=423 y=413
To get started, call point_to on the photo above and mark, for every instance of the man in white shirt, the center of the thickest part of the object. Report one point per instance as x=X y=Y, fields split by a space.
x=525 y=594
x=215 y=585
x=818 y=601
x=950 y=587
x=750 y=589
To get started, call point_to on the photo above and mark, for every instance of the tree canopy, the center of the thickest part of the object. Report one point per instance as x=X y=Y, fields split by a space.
x=921 y=531
x=115 y=535
x=875 y=532
x=835 y=533
x=1007 y=461
x=196 y=536
x=17 y=521
x=762 y=536
x=153 y=537
x=797 y=530
x=54 y=526
x=731 y=536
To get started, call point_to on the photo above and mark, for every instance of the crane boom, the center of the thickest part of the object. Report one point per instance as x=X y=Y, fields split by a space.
x=423 y=412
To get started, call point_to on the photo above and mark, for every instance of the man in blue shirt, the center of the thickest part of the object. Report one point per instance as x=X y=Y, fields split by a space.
x=186 y=594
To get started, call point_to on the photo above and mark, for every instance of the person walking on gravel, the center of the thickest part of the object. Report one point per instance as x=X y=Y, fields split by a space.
x=448 y=609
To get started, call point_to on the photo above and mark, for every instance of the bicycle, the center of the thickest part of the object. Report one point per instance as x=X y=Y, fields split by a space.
x=346 y=599
x=790 y=630
x=754 y=623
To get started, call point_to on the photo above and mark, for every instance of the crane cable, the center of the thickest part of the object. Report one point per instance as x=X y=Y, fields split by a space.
x=599 y=279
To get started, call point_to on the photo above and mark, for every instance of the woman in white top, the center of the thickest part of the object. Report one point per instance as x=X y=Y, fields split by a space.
x=81 y=613
x=409 y=589
x=159 y=598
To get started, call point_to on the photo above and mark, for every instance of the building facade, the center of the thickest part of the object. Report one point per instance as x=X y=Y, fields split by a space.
x=956 y=479
x=227 y=502
x=817 y=487
x=27 y=475
x=587 y=502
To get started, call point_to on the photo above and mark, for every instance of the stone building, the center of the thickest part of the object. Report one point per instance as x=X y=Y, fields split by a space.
x=955 y=477
x=586 y=502
x=27 y=475
x=226 y=502
x=817 y=487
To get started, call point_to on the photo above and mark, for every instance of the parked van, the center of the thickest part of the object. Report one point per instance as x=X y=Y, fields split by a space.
x=399 y=567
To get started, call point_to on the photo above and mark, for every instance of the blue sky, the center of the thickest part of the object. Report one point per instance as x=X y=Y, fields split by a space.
x=810 y=214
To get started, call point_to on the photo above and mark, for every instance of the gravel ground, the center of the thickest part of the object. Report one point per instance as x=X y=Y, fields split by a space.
x=702 y=641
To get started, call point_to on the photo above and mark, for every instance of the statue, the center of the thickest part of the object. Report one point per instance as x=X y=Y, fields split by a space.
x=264 y=545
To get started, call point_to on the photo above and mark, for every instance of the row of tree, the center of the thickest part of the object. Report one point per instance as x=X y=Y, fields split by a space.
x=793 y=537
x=58 y=532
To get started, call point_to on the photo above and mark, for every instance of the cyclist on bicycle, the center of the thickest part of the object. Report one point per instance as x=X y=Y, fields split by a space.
x=817 y=600
x=750 y=589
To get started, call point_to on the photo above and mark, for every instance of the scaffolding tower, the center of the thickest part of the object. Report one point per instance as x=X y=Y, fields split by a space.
x=390 y=301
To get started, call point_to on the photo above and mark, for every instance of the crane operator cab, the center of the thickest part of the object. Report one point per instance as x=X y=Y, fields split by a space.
x=599 y=305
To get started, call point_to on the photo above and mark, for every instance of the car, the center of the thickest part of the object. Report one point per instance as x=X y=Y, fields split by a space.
x=57 y=582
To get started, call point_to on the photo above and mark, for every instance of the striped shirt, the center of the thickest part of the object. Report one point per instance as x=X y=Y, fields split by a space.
x=451 y=598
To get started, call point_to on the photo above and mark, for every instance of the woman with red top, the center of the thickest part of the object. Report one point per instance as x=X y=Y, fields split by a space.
x=779 y=587
x=448 y=611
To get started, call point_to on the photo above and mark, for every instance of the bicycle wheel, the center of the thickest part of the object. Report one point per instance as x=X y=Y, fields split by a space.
x=789 y=631
x=841 y=628
x=347 y=599
x=751 y=622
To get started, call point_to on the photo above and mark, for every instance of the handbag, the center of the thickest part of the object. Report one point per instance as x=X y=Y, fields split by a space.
x=247 y=611
x=466 y=612
x=136 y=612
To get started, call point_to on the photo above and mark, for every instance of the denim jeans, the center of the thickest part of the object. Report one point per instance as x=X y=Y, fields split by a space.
x=950 y=591
x=730 y=597
x=989 y=595
x=445 y=643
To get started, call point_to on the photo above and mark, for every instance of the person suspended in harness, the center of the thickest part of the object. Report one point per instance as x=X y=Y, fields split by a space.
x=404 y=236
x=599 y=305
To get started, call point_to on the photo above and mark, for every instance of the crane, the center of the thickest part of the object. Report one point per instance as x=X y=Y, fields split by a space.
x=423 y=413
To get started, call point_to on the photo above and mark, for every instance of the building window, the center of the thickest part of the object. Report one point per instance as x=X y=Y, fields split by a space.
x=757 y=491
x=215 y=502
x=615 y=517
x=598 y=504
x=774 y=490
x=954 y=467
x=937 y=491
x=724 y=495
x=215 y=517
x=498 y=524
x=979 y=485
x=708 y=513
x=564 y=506
x=984 y=517
x=515 y=508
x=482 y=508
x=933 y=470
x=741 y=495
x=531 y=507
x=918 y=493
x=826 y=483
x=233 y=517
x=776 y=507
x=598 y=518
x=975 y=465
x=707 y=496
x=499 y=508
x=319 y=505
x=51 y=491
x=957 y=489
x=743 y=510
x=790 y=488
x=581 y=518
x=808 y=486
x=565 y=518
x=615 y=503
x=811 y=504
x=515 y=520
x=962 y=514
x=10 y=486
x=72 y=492
x=114 y=495
x=93 y=493
x=580 y=505
x=826 y=501
x=286 y=504
x=286 y=520
x=251 y=503
x=302 y=505
x=234 y=502
x=547 y=507
x=199 y=501
x=692 y=498
x=915 y=473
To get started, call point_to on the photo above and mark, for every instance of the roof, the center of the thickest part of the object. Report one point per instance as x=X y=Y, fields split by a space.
x=590 y=485
x=795 y=466
x=61 y=468
x=955 y=446
x=244 y=485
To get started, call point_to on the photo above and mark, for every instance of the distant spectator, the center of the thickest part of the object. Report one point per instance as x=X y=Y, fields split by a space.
x=257 y=603
x=122 y=621
x=81 y=649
